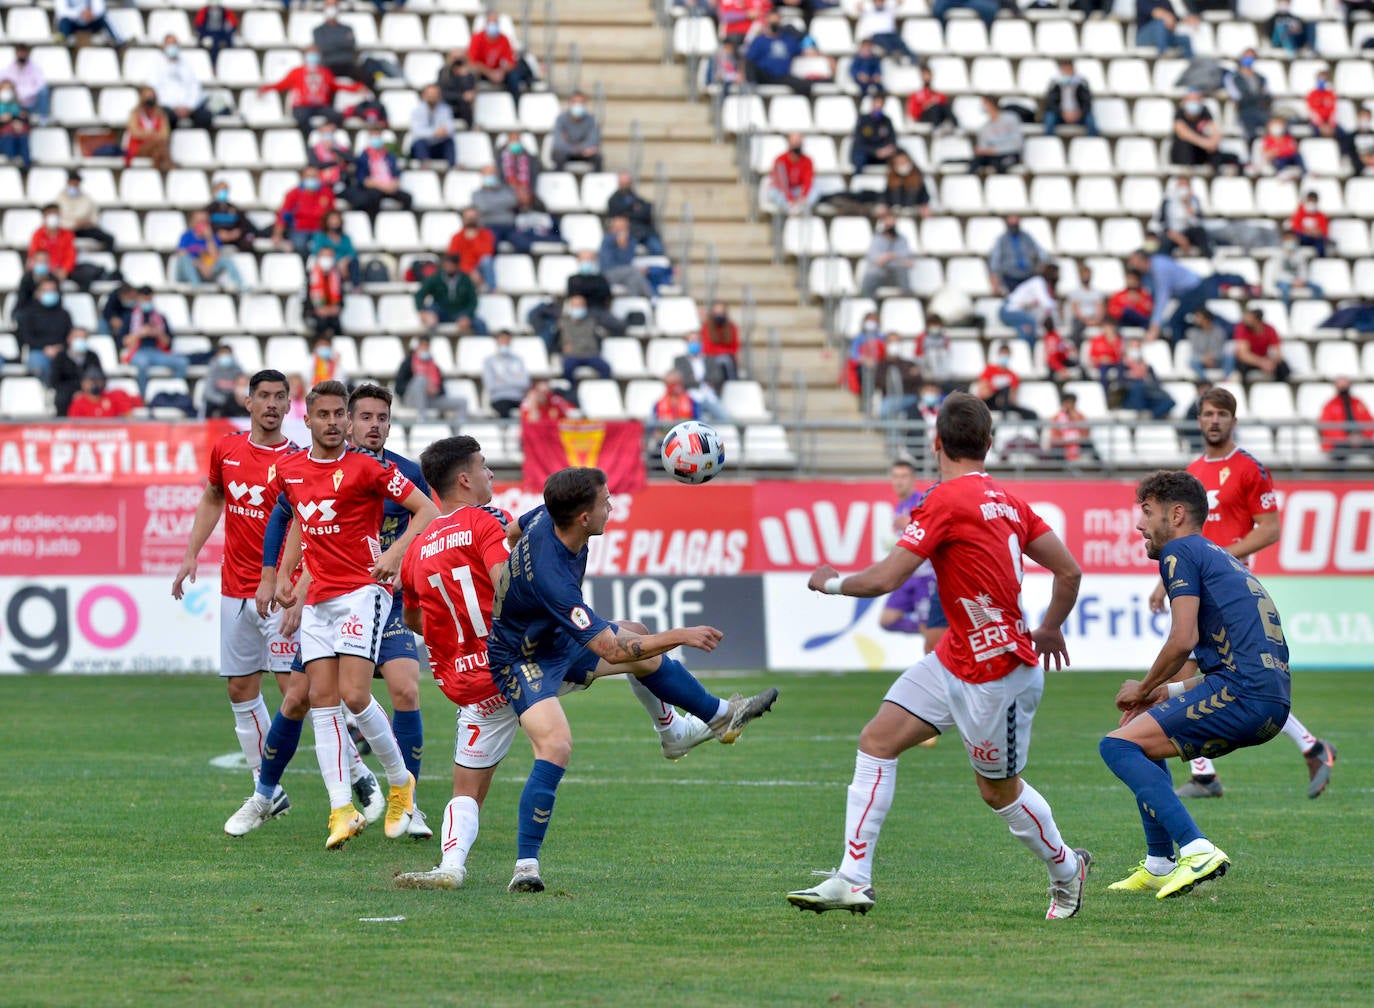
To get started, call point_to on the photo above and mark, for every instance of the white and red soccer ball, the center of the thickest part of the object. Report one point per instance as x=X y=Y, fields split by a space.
x=693 y=453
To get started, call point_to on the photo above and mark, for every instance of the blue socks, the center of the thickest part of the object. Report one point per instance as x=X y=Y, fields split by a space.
x=674 y=685
x=536 y=807
x=277 y=749
x=1162 y=813
x=410 y=736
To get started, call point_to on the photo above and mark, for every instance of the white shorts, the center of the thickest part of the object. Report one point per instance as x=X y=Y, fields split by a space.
x=248 y=643
x=485 y=732
x=993 y=718
x=350 y=624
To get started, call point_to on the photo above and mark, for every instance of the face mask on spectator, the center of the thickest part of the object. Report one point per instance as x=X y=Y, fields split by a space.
x=310 y=184
x=376 y=142
x=330 y=13
x=1134 y=354
x=172 y=51
x=80 y=346
x=326 y=263
x=226 y=357
x=1247 y=61
x=150 y=101
x=1004 y=359
x=40 y=269
x=577 y=313
x=97 y=388
x=719 y=318
x=586 y=268
x=6 y=95
x=48 y=298
x=1310 y=206
x=147 y=306
x=516 y=148
x=73 y=189
x=931 y=399
x=490 y=181
x=578 y=110
x=1290 y=245
x=312 y=59
x=222 y=195
x=493 y=30
x=1192 y=107
x=324 y=353
x=693 y=347
x=424 y=355
x=1276 y=130
x=1323 y=83
x=52 y=221
x=870 y=325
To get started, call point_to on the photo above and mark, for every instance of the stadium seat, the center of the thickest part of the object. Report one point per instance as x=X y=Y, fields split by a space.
x=23 y=397
x=599 y=399
x=767 y=445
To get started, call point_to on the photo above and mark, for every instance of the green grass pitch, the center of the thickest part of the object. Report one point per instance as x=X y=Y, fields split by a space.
x=666 y=881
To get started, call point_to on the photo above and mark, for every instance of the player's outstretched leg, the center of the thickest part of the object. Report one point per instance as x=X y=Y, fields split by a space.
x=678 y=733
x=1320 y=755
x=868 y=800
x=1030 y=819
x=1203 y=782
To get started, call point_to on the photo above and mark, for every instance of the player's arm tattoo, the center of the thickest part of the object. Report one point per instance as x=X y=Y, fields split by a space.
x=625 y=646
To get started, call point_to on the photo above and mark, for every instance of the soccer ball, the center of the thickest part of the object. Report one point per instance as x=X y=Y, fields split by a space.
x=692 y=452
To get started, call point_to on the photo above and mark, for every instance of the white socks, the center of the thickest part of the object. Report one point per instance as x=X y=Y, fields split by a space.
x=1030 y=820
x=251 y=721
x=1301 y=737
x=460 y=830
x=663 y=714
x=870 y=796
x=331 y=734
x=1202 y=767
x=376 y=728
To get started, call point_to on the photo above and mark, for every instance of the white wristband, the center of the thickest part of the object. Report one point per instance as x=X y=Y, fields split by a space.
x=1176 y=689
x=832 y=586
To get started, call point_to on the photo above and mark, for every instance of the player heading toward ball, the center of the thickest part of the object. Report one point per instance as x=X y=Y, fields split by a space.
x=984 y=677
x=1223 y=615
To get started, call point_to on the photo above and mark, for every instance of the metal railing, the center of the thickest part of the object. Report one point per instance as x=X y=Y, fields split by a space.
x=550 y=36
x=599 y=102
x=636 y=149
x=712 y=270
x=573 y=69
x=684 y=258
x=748 y=320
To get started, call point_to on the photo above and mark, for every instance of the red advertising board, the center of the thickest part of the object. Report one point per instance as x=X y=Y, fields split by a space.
x=121 y=454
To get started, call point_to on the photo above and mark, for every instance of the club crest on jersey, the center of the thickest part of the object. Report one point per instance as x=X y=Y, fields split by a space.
x=1224 y=475
x=580 y=618
x=338 y=478
x=271 y=472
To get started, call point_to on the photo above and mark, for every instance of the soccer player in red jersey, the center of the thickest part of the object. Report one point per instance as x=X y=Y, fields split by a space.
x=337 y=494
x=1242 y=518
x=984 y=677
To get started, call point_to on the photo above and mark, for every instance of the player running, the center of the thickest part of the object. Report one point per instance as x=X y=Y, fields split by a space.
x=1223 y=616
x=545 y=635
x=337 y=493
x=984 y=677
x=1242 y=518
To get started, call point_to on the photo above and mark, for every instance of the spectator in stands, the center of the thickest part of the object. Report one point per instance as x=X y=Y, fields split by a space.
x=376 y=177
x=36 y=270
x=1249 y=89
x=1031 y=304
x=1084 y=305
x=231 y=225
x=1312 y=227
x=866 y=351
x=1069 y=438
x=420 y=384
x=812 y=64
x=579 y=337
x=311 y=88
x=878 y=24
x=889 y=259
x=324 y=365
x=616 y=259
x=324 y=296
x=79 y=213
x=627 y=203
x=1291 y=271
x=221 y=383
x=1197 y=137
x=41 y=328
x=431 y=128
x=588 y=283
x=149 y=132
x=791 y=182
x=1105 y=354
x=1015 y=257
x=1133 y=305
x=1171 y=281
x=1209 y=346
x=84 y=17
x=533 y=223
x=1285 y=30
x=57 y=241
x=333 y=157
x=1279 y=151
x=1157 y=25
x=932 y=350
x=1322 y=115
x=998 y=385
x=448 y=296
x=30 y=85
x=725 y=67
x=1179 y=222
x=704 y=379
x=898 y=381
x=1343 y=410
x=338 y=47
x=68 y=367
x=302 y=213
x=576 y=135
x=199 y=259
x=473 y=247
x=215 y=27
x=496 y=204
x=866 y=69
x=179 y=90
x=1362 y=142
x=458 y=85
x=768 y=59
x=926 y=105
x=1061 y=357
x=542 y=403
x=1069 y=101
x=998 y=143
x=14 y=129
x=1144 y=393
x=720 y=339
x=493 y=58
x=331 y=236
x=505 y=376
x=906 y=186
x=148 y=343
x=519 y=167
x=1259 y=356
x=875 y=138
x=985 y=9
x=95 y=401
x=671 y=408
x=118 y=312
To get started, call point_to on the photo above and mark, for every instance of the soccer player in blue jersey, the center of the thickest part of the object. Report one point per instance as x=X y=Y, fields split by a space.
x=1223 y=615
x=545 y=639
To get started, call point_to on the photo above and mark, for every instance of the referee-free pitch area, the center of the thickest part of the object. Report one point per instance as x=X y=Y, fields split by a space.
x=666 y=881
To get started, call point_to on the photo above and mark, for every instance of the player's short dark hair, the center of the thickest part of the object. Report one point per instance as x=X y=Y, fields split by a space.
x=1218 y=398
x=903 y=463
x=326 y=388
x=369 y=390
x=1175 y=486
x=964 y=425
x=267 y=375
x=442 y=461
x=570 y=492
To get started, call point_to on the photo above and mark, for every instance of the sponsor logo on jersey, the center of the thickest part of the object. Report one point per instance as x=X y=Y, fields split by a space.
x=242 y=490
x=579 y=618
x=1269 y=501
x=309 y=510
x=352 y=628
x=394 y=485
x=983 y=752
x=981 y=611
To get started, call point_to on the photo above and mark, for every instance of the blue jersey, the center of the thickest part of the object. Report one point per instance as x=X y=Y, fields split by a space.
x=1240 y=638
x=539 y=612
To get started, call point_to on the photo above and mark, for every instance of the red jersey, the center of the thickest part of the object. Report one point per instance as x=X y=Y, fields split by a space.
x=1259 y=342
x=244 y=470
x=60 y=246
x=312 y=87
x=339 y=505
x=1238 y=488
x=1321 y=107
x=490 y=52
x=973 y=532
x=472 y=250
x=1304 y=222
x=447 y=575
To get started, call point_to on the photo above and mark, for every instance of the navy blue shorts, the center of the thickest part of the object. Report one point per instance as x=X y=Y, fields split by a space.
x=565 y=662
x=936 y=619
x=397 y=640
x=1210 y=720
